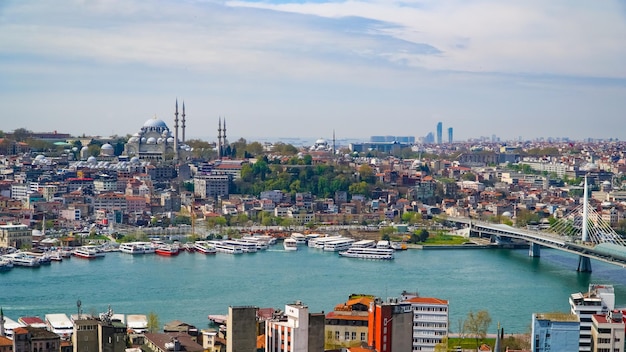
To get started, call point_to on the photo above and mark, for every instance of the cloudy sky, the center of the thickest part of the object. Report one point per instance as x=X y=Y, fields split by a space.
x=527 y=69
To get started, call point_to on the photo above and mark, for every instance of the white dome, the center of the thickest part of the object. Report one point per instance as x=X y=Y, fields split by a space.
x=134 y=160
x=92 y=160
x=170 y=140
x=507 y=214
x=106 y=146
x=84 y=148
x=133 y=139
x=40 y=157
x=143 y=139
x=320 y=141
x=151 y=140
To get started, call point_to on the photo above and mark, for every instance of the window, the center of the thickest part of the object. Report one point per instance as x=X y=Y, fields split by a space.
x=347 y=336
x=336 y=335
x=354 y=335
x=362 y=336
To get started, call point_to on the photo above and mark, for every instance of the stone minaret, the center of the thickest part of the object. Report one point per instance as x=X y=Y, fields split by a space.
x=224 y=136
x=176 y=130
x=219 y=139
x=183 y=121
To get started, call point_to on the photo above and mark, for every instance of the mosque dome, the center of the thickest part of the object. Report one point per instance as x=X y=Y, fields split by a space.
x=85 y=148
x=40 y=157
x=320 y=141
x=154 y=122
x=170 y=140
x=507 y=214
x=107 y=149
x=92 y=160
x=134 y=160
x=151 y=140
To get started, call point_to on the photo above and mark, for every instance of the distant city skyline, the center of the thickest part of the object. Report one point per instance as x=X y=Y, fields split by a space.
x=283 y=68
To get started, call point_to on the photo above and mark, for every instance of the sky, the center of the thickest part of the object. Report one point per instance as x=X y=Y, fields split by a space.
x=304 y=69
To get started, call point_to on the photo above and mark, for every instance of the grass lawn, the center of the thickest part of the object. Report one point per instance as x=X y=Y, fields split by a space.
x=445 y=239
x=469 y=343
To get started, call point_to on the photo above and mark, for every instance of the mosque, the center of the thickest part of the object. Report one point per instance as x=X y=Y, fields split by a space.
x=156 y=142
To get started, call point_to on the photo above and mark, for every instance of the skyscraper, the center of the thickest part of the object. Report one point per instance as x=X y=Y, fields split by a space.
x=450 y=131
x=439 y=132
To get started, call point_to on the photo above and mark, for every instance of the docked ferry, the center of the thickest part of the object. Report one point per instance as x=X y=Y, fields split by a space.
x=204 y=247
x=167 y=250
x=338 y=245
x=227 y=248
x=290 y=244
x=368 y=253
x=88 y=252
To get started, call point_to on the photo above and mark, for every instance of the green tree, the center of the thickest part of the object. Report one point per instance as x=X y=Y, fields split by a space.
x=153 y=322
x=477 y=324
x=366 y=173
x=22 y=134
x=255 y=148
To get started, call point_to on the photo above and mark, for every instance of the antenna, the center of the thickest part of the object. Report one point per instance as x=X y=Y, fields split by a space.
x=78 y=304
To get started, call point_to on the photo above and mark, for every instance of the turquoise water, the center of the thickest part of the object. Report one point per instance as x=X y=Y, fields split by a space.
x=507 y=283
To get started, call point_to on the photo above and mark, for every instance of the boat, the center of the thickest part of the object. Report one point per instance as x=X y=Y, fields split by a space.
x=246 y=247
x=55 y=256
x=204 y=247
x=368 y=253
x=167 y=250
x=319 y=242
x=23 y=259
x=87 y=252
x=383 y=244
x=290 y=244
x=227 y=248
x=60 y=324
x=364 y=244
x=133 y=248
x=299 y=238
x=5 y=264
x=338 y=245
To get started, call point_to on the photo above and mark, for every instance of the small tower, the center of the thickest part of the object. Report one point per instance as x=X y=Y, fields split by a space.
x=176 y=130
x=183 y=122
x=219 y=138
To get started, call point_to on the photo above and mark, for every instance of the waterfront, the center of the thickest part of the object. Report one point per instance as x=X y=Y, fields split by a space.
x=509 y=284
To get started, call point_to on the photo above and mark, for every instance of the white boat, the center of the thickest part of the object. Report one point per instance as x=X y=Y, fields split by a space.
x=245 y=246
x=23 y=259
x=227 y=248
x=383 y=244
x=134 y=248
x=290 y=244
x=204 y=247
x=321 y=241
x=10 y=325
x=364 y=244
x=338 y=245
x=137 y=323
x=368 y=253
x=60 y=324
x=5 y=264
x=261 y=244
x=87 y=252
x=299 y=238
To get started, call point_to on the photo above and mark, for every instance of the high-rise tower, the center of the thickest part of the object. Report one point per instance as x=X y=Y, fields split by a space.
x=439 y=132
x=450 y=131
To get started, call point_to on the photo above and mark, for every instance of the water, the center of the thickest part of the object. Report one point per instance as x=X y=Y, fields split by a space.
x=507 y=283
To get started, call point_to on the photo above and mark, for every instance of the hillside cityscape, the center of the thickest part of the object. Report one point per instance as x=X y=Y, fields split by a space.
x=155 y=188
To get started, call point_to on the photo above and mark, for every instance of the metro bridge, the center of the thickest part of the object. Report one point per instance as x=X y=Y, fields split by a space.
x=586 y=235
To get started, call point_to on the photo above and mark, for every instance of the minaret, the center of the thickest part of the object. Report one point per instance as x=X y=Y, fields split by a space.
x=219 y=138
x=183 y=121
x=334 y=146
x=176 y=131
x=224 y=136
x=2 y=323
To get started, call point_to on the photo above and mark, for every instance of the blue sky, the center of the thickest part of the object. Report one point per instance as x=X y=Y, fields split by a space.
x=303 y=69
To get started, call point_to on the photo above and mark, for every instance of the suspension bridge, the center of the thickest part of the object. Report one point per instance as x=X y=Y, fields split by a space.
x=582 y=231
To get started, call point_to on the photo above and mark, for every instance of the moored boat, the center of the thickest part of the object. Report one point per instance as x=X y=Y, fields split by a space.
x=290 y=244
x=368 y=253
x=5 y=264
x=23 y=259
x=87 y=252
x=167 y=250
x=204 y=247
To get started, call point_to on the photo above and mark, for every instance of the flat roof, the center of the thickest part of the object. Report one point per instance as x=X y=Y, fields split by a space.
x=557 y=316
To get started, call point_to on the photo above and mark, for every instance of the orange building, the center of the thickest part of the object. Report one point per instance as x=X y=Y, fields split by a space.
x=390 y=326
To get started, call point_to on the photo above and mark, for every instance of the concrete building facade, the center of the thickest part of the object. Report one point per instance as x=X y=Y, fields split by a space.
x=555 y=332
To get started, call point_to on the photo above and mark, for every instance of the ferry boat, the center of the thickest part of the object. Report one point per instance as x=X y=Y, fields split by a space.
x=260 y=244
x=383 y=244
x=88 y=252
x=364 y=244
x=227 y=248
x=299 y=238
x=131 y=248
x=321 y=241
x=245 y=246
x=204 y=247
x=338 y=245
x=290 y=244
x=60 y=324
x=167 y=250
x=368 y=253
x=23 y=259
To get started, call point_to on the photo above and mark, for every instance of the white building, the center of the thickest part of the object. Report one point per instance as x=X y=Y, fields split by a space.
x=290 y=334
x=599 y=299
x=430 y=320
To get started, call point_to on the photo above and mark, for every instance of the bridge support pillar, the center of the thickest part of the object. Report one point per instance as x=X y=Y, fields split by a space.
x=584 y=264
x=534 y=250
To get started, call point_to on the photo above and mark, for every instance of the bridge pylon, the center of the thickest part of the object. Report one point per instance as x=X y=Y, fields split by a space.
x=534 y=250
x=584 y=264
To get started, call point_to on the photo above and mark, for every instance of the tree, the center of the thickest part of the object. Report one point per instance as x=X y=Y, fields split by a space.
x=477 y=324
x=153 y=322
x=21 y=134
